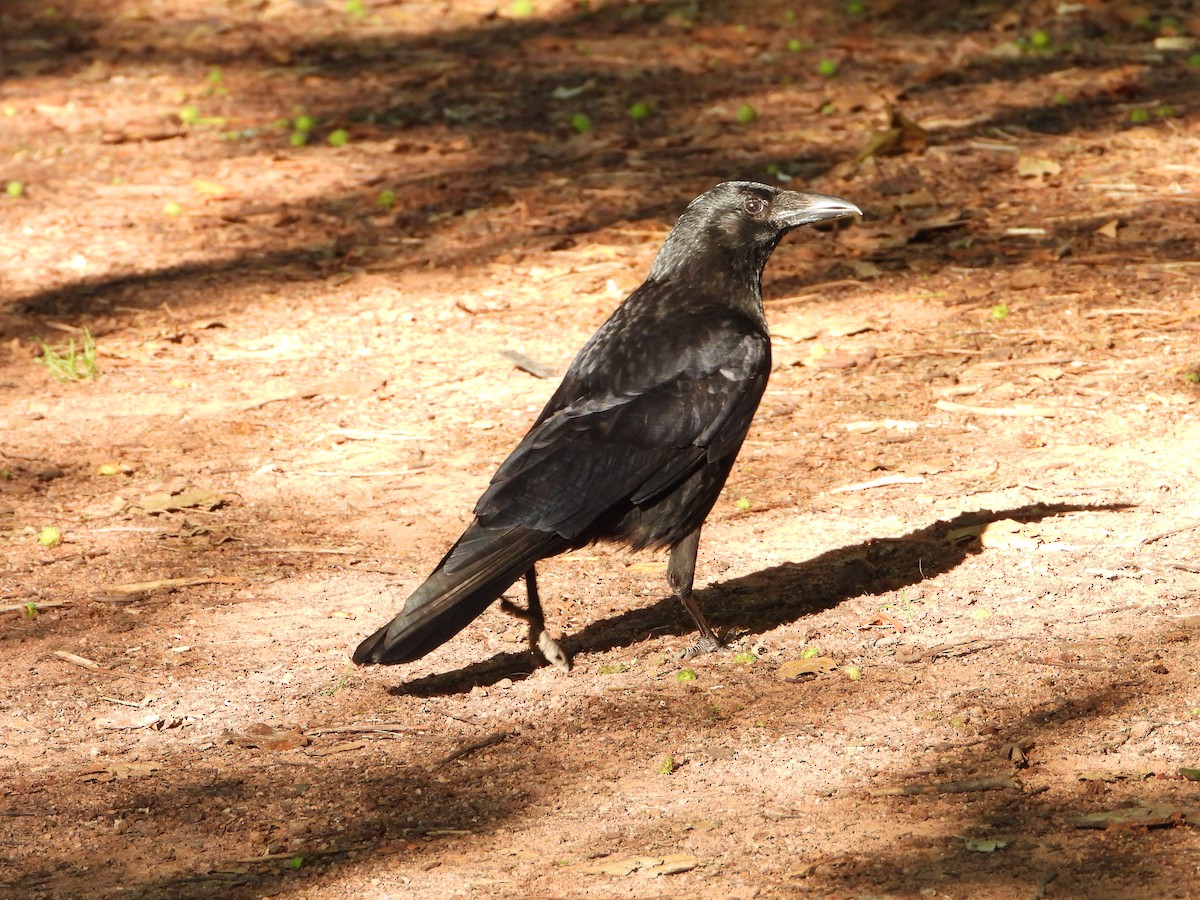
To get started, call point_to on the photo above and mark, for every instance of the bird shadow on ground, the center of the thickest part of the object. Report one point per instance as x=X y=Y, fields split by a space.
x=768 y=598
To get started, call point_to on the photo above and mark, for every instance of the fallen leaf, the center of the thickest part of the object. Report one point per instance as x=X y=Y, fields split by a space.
x=795 y=669
x=670 y=865
x=1109 y=229
x=1036 y=167
x=983 y=846
x=162 y=501
x=264 y=737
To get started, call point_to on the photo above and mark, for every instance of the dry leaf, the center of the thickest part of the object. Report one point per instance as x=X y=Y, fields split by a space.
x=795 y=669
x=1109 y=229
x=162 y=501
x=265 y=737
x=1036 y=167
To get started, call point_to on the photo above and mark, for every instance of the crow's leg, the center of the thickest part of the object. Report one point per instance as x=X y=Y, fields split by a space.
x=539 y=640
x=681 y=571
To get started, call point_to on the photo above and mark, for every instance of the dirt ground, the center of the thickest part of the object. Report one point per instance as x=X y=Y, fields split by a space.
x=969 y=505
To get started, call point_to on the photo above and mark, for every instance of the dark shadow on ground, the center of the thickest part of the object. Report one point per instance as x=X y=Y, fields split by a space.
x=767 y=599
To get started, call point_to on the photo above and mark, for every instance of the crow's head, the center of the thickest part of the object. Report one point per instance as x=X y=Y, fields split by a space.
x=745 y=221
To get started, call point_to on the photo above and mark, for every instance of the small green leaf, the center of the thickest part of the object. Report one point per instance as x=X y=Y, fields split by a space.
x=521 y=9
x=189 y=115
x=854 y=673
x=172 y=209
x=855 y=8
x=297 y=862
x=742 y=503
x=339 y=138
x=581 y=123
x=298 y=138
x=612 y=668
x=1190 y=774
x=1039 y=39
x=745 y=658
x=686 y=675
x=810 y=653
x=639 y=111
x=386 y=198
x=14 y=189
x=667 y=766
x=827 y=68
x=355 y=9
x=303 y=123
x=108 y=469
x=50 y=536
x=1000 y=312
x=746 y=114
x=1139 y=116
x=30 y=611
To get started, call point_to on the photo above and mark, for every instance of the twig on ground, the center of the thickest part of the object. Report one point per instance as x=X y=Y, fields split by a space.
x=1065 y=664
x=39 y=605
x=382 y=728
x=878 y=482
x=494 y=738
x=82 y=661
x=1158 y=536
x=1044 y=412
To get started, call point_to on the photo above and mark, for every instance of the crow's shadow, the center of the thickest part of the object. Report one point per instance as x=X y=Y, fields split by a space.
x=768 y=598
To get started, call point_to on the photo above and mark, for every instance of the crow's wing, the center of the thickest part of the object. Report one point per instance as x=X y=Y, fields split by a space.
x=601 y=449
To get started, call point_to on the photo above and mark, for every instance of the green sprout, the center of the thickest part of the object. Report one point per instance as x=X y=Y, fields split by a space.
x=855 y=8
x=746 y=114
x=795 y=45
x=521 y=9
x=1193 y=377
x=810 y=653
x=742 y=503
x=668 y=765
x=14 y=189
x=827 y=68
x=1039 y=40
x=1000 y=312
x=686 y=675
x=6 y=474
x=74 y=364
x=49 y=536
x=297 y=862
x=854 y=673
x=339 y=138
x=30 y=610
x=386 y=199
x=639 y=111
x=580 y=123
x=745 y=658
x=1139 y=116
x=355 y=9
x=172 y=209
x=612 y=668
x=1193 y=60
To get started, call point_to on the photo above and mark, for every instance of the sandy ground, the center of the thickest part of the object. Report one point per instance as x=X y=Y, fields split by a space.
x=970 y=503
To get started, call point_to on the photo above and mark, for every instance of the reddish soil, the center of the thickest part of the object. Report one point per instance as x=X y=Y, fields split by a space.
x=972 y=492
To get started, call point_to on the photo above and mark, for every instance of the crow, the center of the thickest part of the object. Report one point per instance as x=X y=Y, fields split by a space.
x=638 y=440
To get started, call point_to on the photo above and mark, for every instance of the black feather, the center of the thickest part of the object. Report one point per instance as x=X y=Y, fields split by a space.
x=639 y=438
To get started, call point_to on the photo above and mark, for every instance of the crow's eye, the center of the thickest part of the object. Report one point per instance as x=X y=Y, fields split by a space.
x=756 y=206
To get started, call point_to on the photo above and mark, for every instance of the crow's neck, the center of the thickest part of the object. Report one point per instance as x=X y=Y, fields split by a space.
x=702 y=267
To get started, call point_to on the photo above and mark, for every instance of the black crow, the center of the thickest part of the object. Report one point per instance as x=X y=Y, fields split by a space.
x=637 y=441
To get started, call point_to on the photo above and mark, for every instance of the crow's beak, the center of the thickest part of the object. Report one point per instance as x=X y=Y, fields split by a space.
x=794 y=208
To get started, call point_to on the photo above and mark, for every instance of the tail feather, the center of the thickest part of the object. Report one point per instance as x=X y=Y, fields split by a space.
x=480 y=567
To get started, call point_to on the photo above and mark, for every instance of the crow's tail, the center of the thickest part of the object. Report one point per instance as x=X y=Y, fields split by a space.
x=480 y=567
